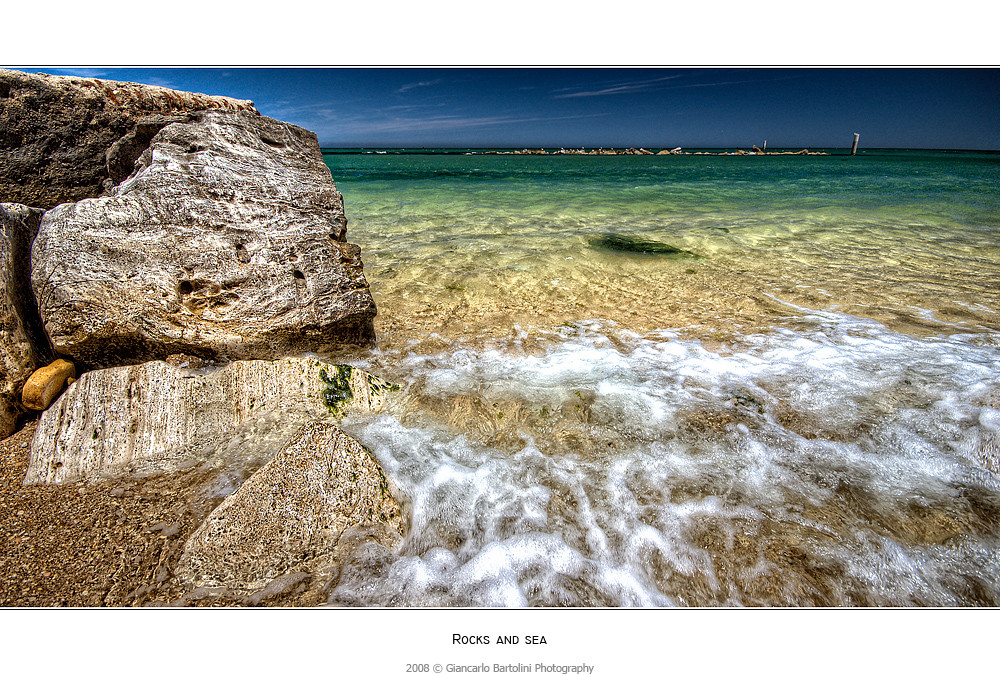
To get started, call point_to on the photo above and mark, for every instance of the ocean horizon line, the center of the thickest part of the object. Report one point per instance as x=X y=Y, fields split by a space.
x=685 y=149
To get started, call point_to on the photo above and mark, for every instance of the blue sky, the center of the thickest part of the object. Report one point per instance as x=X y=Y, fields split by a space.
x=688 y=107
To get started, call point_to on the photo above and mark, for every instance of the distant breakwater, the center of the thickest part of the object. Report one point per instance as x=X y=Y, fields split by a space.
x=640 y=151
x=564 y=151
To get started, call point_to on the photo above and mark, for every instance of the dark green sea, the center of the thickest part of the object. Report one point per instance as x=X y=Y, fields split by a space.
x=683 y=380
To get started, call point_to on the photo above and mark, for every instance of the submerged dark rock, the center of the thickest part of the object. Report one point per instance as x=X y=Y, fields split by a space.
x=628 y=244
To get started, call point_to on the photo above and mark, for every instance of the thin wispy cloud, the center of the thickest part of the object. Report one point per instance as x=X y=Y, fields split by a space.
x=295 y=108
x=719 y=84
x=335 y=129
x=331 y=119
x=440 y=122
x=100 y=74
x=617 y=87
x=80 y=72
x=413 y=85
x=411 y=106
x=320 y=110
x=657 y=83
x=162 y=82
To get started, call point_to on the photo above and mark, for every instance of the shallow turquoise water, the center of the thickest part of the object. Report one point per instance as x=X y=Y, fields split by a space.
x=916 y=230
x=802 y=407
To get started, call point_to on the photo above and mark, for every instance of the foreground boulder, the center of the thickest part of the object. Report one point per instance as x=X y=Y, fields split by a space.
x=156 y=417
x=295 y=515
x=23 y=347
x=56 y=133
x=229 y=241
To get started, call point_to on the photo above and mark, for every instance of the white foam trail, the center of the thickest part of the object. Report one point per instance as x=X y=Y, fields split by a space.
x=840 y=464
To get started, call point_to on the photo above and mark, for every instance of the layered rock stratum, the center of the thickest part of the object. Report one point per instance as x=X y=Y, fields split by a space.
x=228 y=241
x=23 y=346
x=155 y=417
x=56 y=132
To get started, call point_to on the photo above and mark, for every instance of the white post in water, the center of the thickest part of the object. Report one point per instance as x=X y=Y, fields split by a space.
x=854 y=147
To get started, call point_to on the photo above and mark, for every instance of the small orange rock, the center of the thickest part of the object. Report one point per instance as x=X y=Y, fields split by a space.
x=45 y=384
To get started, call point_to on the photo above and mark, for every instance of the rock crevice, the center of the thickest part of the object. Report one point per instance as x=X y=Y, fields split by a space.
x=23 y=345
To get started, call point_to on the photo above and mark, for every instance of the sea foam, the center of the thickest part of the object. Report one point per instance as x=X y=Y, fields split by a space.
x=836 y=463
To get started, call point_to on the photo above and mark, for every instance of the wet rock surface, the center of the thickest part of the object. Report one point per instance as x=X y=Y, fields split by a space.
x=56 y=132
x=296 y=517
x=229 y=241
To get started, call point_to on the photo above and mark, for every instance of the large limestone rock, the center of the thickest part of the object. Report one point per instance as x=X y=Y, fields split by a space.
x=296 y=513
x=23 y=347
x=153 y=417
x=57 y=133
x=229 y=241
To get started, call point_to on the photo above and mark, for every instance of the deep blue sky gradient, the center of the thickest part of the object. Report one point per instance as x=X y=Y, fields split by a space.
x=567 y=107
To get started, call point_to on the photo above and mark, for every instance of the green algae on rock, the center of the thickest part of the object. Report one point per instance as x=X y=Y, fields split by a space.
x=338 y=387
x=348 y=382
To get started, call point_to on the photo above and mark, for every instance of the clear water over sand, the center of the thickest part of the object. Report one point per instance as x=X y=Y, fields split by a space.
x=801 y=406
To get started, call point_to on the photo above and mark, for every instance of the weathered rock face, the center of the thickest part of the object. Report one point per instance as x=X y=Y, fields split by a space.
x=153 y=417
x=23 y=347
x=56 y=132
x=294 y=513
x=227 y=242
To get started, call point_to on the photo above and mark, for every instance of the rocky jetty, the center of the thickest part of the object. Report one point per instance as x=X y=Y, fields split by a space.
x=191 y=252
x=56 y=132
x=23 y=347
x=641 y=151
